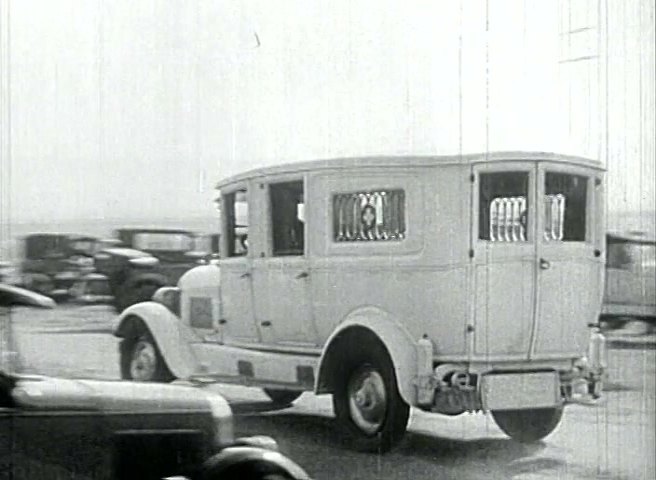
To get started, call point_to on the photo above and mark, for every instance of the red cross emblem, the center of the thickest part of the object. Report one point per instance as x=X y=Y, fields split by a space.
x=368 y=216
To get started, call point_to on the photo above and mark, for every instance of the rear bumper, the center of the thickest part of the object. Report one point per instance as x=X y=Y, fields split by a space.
x=509 y=390
x=454 y=388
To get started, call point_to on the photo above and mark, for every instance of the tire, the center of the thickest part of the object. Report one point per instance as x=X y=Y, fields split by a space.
x=528 y=426
x=371 y=414
x=245 y=470
x=141 y=359
x=282 y=397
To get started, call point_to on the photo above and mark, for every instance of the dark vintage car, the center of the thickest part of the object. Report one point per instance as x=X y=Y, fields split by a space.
x=144 y=260
x=54 y=428
x=53 y=262
x=630 y=291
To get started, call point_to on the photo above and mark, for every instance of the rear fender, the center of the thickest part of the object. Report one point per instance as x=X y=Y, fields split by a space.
x=400 y=345
x=172 y=337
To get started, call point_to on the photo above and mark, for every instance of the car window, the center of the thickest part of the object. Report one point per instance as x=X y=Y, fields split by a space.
x=88 y=247
x=287 y=218
x=366 y=216
x=236 y=211
x=503 y=207
x=178 y=242
x=565 y=207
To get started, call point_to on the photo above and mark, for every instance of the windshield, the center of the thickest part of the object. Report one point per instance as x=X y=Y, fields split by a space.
x=631 y=256
x=642 y=254
x=98 y=287
x=44 y=246
x=87 y=247
x=169 y=242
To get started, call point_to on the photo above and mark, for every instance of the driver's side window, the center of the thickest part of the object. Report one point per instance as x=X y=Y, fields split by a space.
x=236 y=211
x=287 y=218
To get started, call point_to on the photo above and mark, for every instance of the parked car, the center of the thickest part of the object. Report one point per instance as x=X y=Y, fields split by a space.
x=145 y=260
x=53 y=262
x=451 y=284
x=88 y=429
x=630 y=291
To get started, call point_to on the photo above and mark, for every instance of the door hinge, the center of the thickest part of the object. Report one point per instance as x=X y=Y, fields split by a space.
x=472 y=178
x=471 y=253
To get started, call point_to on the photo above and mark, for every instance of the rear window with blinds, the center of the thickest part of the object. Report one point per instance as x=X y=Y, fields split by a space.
x=503 y=207
x=369 y=216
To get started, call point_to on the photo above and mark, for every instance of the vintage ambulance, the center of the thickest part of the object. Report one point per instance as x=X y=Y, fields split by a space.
x=451 y=284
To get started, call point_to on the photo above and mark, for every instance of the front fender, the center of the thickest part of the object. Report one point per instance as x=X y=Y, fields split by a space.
x=250 y=462
x=399 y=343
x=170 y=334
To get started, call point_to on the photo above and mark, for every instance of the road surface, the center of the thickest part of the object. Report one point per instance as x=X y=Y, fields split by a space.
x=612 y=439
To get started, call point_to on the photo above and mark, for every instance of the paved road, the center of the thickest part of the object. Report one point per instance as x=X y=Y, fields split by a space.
x=613 y=439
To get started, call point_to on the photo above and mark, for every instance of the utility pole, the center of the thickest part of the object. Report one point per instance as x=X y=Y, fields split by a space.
x=8 y=355
x=5 y=129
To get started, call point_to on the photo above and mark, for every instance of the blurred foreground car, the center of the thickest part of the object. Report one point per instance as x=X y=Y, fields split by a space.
x=630 y=292
x=87 y=429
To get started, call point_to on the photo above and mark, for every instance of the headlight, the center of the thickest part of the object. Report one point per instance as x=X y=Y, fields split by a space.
x=66 y=275
x=223 y=427
x=144 y=261
x=169 y=297
x=582 y=363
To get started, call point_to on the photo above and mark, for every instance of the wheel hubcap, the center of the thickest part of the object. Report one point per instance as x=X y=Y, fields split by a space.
x=144 y=361
x=367 y=400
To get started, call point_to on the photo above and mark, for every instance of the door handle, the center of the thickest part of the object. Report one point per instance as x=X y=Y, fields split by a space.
x=265 y=323
x=302 y=275
x=545 y=264
x=245 y=275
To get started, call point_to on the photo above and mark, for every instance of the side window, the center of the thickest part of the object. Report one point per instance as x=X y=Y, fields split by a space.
x=631 y=256
x=287 y=218
x=503 y=207
x=235 y=208
x=377 y=215
x=565 y=207
x=618 y=256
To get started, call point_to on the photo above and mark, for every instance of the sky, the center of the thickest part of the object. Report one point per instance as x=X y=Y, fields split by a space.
x=134 y=109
